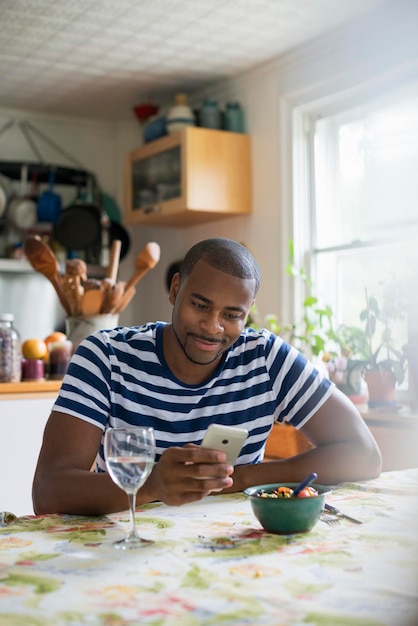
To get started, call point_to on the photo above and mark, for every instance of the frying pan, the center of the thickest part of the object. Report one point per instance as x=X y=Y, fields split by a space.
x=117 y=231
x=78 y=226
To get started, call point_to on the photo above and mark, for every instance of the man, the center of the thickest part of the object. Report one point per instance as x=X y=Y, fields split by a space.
x=204 y=367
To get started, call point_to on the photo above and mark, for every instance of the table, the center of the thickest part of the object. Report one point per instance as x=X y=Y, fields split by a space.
x=212 y=564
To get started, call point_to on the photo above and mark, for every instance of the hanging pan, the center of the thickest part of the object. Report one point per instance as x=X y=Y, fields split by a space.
x=117 y=231
x=79 y=226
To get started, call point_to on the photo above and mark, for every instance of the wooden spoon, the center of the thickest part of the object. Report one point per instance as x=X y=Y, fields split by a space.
x=44 y=261
x=124 y=300
x=146 y=260
x=116 y=296
x=91 y=302
x=112 y=268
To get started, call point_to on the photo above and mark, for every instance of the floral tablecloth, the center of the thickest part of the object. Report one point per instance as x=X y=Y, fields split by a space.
x=213 y=565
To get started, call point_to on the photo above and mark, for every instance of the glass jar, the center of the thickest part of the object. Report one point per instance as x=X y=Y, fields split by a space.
x=210 y=115
x=10 y=350
x=180 y=115
x=234 y=117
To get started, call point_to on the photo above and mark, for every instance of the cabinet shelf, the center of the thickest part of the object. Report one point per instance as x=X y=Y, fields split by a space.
x=194 y=176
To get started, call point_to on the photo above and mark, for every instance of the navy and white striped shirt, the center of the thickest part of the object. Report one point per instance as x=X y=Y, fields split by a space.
x=120 y=377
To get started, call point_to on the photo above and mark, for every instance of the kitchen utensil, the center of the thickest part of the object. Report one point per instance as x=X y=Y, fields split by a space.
x=110 y=207
x=146 y=260
x=44 y=261
x=116 y=296
x=107 y=286
x=117 y=231
x=112 y=269
x=124 y=300
x=6 y=192
x=73 y=292
x=91 y=302
x=49 y=203
x=338 y=513
x=331 y=520
x=80 y=224
x=75 y=273
x=21 y=211
x=305 y=483
x=78 y=227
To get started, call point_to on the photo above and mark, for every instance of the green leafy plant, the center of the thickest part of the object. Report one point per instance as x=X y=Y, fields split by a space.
x=387 y=356
x=314 y=330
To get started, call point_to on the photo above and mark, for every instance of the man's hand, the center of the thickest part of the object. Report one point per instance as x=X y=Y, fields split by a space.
x=185 y=475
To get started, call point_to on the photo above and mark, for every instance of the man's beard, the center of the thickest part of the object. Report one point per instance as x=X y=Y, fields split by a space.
x=183 y=347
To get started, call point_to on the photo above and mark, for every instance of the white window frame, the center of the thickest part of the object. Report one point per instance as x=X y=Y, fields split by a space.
x=302 y=202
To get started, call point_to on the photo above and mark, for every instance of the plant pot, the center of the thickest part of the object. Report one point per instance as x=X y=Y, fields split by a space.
x=381 y=386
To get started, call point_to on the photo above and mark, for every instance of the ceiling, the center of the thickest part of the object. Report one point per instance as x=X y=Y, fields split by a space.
x=99 y=58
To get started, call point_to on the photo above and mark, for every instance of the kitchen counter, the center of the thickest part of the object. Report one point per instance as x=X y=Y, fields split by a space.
x=29 y=389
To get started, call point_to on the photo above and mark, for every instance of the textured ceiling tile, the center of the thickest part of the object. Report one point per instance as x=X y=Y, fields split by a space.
x=79 y=49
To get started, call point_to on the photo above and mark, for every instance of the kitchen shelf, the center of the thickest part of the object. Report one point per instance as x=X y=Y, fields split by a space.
x=196 y=175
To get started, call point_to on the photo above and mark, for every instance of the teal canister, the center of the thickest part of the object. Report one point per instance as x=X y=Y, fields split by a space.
x=210 y=115
x=234 y=117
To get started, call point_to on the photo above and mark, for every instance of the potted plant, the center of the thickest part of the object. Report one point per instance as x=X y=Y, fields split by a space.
x=347 y=360
x=314 y=330
x=386 y=364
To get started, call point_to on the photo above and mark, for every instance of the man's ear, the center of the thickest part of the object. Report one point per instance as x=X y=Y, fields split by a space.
x=174 y=288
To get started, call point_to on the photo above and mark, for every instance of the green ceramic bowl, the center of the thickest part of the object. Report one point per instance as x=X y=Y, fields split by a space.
x=286 y=516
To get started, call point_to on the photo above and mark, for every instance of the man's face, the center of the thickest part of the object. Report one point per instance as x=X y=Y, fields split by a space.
x=210 y=309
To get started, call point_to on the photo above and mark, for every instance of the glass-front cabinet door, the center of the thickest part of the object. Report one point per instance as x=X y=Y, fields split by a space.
x=193 y=176
x=156 y=179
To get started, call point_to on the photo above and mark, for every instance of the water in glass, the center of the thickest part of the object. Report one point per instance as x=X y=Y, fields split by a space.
x=129 y=455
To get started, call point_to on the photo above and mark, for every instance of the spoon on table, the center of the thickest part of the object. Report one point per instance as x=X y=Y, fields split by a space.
x=44 y=261
x=305 y=483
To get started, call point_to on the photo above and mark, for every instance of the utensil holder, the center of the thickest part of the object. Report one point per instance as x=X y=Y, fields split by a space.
x=78 y=328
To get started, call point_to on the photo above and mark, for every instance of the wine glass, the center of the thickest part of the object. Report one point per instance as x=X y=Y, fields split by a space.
x=129 y=454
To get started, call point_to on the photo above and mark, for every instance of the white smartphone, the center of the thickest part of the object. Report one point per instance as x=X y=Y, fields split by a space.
x=228 y=439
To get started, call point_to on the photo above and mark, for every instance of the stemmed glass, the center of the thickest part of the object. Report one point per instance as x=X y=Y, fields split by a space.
x=129 y=455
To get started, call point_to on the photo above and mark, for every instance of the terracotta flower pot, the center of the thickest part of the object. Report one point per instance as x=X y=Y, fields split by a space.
x=381 y=386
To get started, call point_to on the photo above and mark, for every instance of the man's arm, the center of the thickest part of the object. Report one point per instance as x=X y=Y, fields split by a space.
x=63 y=482
x=345 y=450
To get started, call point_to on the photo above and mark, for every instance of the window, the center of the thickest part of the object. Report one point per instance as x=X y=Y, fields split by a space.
x=362 y=205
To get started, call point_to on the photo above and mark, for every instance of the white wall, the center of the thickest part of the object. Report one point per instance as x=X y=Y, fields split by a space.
x=376 y=50
x=369 y=55
x=98 y=147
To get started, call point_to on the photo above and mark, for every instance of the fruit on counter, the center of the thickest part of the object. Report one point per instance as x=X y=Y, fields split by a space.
x=34 y=349
x=55 y=337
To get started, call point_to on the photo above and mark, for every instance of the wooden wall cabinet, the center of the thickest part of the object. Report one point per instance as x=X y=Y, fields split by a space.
x=194 y=176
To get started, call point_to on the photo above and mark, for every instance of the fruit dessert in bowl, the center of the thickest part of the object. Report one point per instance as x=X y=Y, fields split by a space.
x=280 y=511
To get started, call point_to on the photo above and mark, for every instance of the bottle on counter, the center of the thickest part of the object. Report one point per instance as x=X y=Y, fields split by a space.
x=10 y=350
